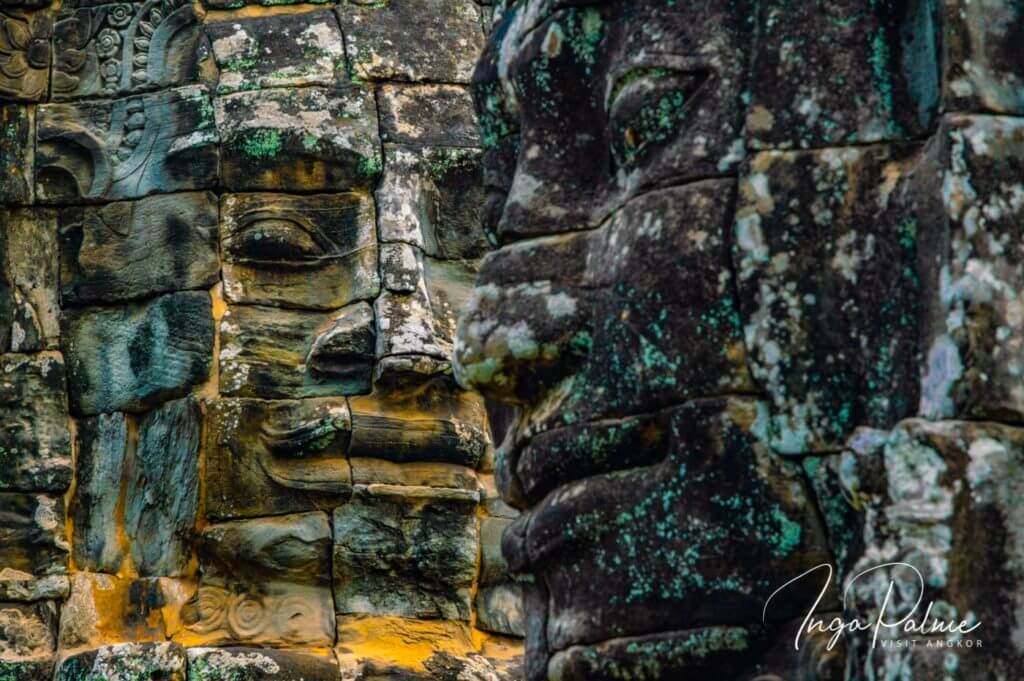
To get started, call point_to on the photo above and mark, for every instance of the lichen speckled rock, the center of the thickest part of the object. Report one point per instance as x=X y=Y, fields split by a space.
x=751 y=261
x=234 y=239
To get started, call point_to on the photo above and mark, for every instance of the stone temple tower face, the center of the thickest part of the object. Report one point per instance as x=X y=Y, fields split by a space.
x=234 y=237
x=736 y=311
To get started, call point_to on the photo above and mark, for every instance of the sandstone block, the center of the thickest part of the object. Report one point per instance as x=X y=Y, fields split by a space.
x=309 y=139
x=409 y=552
x=135 y=249
x=132 y=357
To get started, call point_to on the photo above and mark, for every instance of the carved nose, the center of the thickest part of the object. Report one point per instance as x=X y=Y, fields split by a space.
x=344 y=346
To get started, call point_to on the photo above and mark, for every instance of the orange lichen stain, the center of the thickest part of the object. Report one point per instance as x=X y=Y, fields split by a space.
x=497 y=647
x=252 y=11
x=400 y=642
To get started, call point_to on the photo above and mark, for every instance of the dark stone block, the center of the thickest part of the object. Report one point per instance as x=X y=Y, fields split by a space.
x=432 y=115
x=135 y=249
x=35 y=441
x=30 y=260
x=259 y=664
x=983 y=68
x=829 y=251
x=431 y=422
x=32 y=536
x=25 y=43
x=132 y=357
x=16 y=155
x=659 y=545
x=431 y=198
x=273 y=353
x=102 y=454
x=843 y=73
x=264 y=582
x=162 y=495
x=127 y=662
x=406 y=551
x=443 y=47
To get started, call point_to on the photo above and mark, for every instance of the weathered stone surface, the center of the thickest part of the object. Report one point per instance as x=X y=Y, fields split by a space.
x=126 y=662
x=267 y=352
x=644 y=554
x=28 y=635
x=409 y=552
x=132 y=357
x=422 y=322
x=16 y=154
x=432 y=423
x=863 y=75
x=431 y=198
x=27 y=670
x=259 y=664
x=982 y=67
x=975 y=330
x=268 y=458
x=35 y=443
x=16 y=585
x=380 y=44
x=279 y=50
x=309 y=139
x=401 y=649
x=740 y=653
x=162 y=494
x=103 y=609
x=117 y=49
x=126 y=148
x=499 y=609
x=30 y=259
x=554 y=308
x=25 y=49
x=32 y=539
x=264 y=582
x=99 y=471
x=941 y=497
x=367 y=471
x=435 y=115
x=828 y=245
x=135 y=249
x=317 y=252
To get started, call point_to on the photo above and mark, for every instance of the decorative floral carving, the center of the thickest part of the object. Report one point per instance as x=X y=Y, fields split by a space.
x=88 y=39
x=107 y=42
x=24 y=53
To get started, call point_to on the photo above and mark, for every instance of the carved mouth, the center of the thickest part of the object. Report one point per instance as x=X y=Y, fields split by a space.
x=309 y=456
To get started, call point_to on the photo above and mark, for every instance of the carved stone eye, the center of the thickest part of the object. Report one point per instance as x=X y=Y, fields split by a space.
x=276 y=239
x=648 y=108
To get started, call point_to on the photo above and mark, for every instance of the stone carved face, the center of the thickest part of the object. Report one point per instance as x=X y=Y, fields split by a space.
x=232 y=246
x=607 y=317
x=737 y=251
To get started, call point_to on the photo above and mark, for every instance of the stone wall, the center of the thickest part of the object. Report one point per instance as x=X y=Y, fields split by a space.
x=233 y=240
